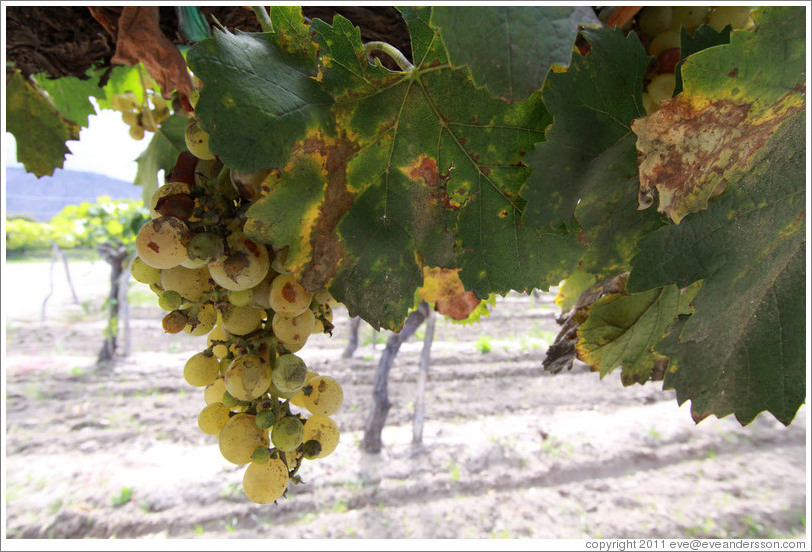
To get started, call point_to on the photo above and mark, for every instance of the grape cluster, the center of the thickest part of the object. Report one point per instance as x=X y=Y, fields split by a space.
x=214 y=281
x=660 y=27
x=141 y=117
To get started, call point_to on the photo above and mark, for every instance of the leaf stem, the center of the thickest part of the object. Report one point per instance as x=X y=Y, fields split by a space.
x=391 y=51
x=264 y=18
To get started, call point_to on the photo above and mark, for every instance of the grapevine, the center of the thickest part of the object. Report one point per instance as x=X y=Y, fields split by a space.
x=216 y=282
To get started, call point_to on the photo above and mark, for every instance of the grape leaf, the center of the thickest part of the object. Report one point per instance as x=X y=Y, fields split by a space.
x=161 y=153
x=703 y=37
x=433 y=153
x=622 y=329
x=123 y=79
x=258 y=98
x=510 y=49
x=742 y=350
x=443 y=288
x=71 y=95
x=587 y=167
x=735 y=96
x=39 y=128
x=577 y=283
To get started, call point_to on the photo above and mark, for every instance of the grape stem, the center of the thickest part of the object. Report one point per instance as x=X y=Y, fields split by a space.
x=377 y=46
x=264 y=18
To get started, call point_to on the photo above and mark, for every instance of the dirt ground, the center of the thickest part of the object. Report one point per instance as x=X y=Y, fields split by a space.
x=508 y=451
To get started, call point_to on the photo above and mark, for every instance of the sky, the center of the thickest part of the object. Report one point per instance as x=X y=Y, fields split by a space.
x=104 y=147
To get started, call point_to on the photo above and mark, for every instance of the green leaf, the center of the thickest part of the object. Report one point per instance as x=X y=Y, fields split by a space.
x=71 y=95
x=39 y=128
x=123 y=79
x=258 y=99
x=703 y=37
x=571 y=290
x=735 y=96
x=593 y=105
x=742 y=350
x=433 y=154
x=587 y=167
x=510 y=49
x=161 y=153
x=623 y=329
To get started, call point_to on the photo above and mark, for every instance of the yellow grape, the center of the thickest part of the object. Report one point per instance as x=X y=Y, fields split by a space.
x=242 y=320
x=168 y=189
x=239 y=437
x=325 y=397
x=298 y=399
x=123 y=102
x=662 y=87
x=201 y=370
x=664 y=41
x=142 y=272
x=129 y=117
x=289 y=373
x=655 y=19
x=191 y=283
x=293 y=329
x=288 y=297
x=241 y=298
x=265 y=483
x=248 y=377
x=137 y=132
x=202 y=319
x=325 y=431
x=214 y=391
x=212 y=418
x=245 y=267
x=218 y=334
x=737 y=17
x=161 y=242
x=174 y=322
x=689 y=17
x=323 y=297
x=197 y=140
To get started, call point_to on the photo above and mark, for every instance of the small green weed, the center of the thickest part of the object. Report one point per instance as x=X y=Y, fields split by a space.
x=483 y=345
x=123 y=497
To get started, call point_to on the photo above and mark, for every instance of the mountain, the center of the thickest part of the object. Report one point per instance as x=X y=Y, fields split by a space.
x=42 y=198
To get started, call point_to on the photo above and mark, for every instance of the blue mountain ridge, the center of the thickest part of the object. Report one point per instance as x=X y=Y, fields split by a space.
x=42 y=198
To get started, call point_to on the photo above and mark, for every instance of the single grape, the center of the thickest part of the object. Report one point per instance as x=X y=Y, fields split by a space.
x=664 y=41
x=661 y=87
x=298 y=399
x=737 y=17
x=293 y=329
x=323 y=430
x=655 y=19
x=142 y=272
x=289 y=373
x=161 y=242
x=197 y=140
x=123 y=102
x=214 y=391
x=311 y=449
x=287 y=433
x=174 y=322
x=175 y=189
x=689 y=17
x=137 y=133
x=194 y=96
x=212 y=418
x=230 y=401
x=261 y=455
x=323 y=297
x=239 y=437
x=244 y=268
x=278 y=261
x=240 y=298
x=249 y=185
x=225 y=362
x=288 y=297
x=201 y=370
x=265 y=483
x=170 y=300
x=130 y=117
x=242 y=320
x=202 y=319
x=248 y=377
x=325 y=396
x=191 y=283
x=218 y=334
x=265 y=419
x=262 y=290
x=206 y=171
x=206 y=246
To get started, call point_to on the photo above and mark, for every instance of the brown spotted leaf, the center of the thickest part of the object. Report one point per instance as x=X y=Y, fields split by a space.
x=735 y=97
x=442 y=286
